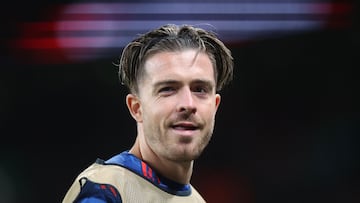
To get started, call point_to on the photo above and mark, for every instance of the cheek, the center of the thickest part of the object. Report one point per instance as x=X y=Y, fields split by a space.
x=156 y=111
x=211 y=107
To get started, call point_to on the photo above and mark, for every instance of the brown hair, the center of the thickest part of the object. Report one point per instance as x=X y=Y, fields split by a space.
x=171 y=37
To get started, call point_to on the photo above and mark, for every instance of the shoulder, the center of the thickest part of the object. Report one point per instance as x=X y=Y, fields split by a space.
x=196 y=195
x=99 y=172
x=98 y=183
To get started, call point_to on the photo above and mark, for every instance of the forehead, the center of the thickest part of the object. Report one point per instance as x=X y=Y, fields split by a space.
x=179 y=64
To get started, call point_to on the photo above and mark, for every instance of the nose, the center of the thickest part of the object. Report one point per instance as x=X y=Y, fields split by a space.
x=186 y=102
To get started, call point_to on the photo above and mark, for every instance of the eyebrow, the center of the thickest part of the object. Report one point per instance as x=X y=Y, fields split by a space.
x=162 y=82
x=208 y=83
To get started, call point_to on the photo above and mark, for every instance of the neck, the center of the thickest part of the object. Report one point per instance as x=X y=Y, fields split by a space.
x=177 y=171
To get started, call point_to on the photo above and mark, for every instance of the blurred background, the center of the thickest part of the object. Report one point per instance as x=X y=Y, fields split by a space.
x=286 y=130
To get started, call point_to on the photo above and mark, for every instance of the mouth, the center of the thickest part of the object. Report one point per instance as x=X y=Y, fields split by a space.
x=185 y=126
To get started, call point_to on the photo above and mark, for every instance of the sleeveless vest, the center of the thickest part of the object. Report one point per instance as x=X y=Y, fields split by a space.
x=125 y=178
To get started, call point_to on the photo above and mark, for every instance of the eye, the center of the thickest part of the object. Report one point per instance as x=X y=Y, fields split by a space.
x=201 y=89
x=166 y=90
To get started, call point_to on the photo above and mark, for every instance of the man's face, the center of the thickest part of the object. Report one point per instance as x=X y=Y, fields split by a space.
x=178 y=103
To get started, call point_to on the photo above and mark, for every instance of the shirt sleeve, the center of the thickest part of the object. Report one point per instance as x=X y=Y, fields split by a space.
x=92 y=192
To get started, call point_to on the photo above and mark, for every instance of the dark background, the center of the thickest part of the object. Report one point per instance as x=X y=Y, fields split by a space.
x=286 y=130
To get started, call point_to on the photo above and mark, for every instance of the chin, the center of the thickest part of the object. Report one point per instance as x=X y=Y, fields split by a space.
x=187 y=155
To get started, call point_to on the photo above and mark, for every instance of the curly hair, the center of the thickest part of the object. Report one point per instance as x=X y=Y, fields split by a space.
x=171 y=38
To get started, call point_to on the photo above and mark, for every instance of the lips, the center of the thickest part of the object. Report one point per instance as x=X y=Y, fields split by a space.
x=185 y=126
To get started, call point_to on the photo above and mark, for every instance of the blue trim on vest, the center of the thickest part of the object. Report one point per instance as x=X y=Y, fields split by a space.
x=139 y=167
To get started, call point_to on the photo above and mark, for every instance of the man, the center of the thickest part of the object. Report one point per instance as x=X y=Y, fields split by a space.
x=173 y=74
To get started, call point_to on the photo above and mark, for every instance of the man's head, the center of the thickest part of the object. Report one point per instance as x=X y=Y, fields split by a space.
x=174 y=38
x=173 y=74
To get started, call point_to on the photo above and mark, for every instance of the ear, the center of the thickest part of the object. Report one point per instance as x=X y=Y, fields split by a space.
x=217 y=101
x=134 y=106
